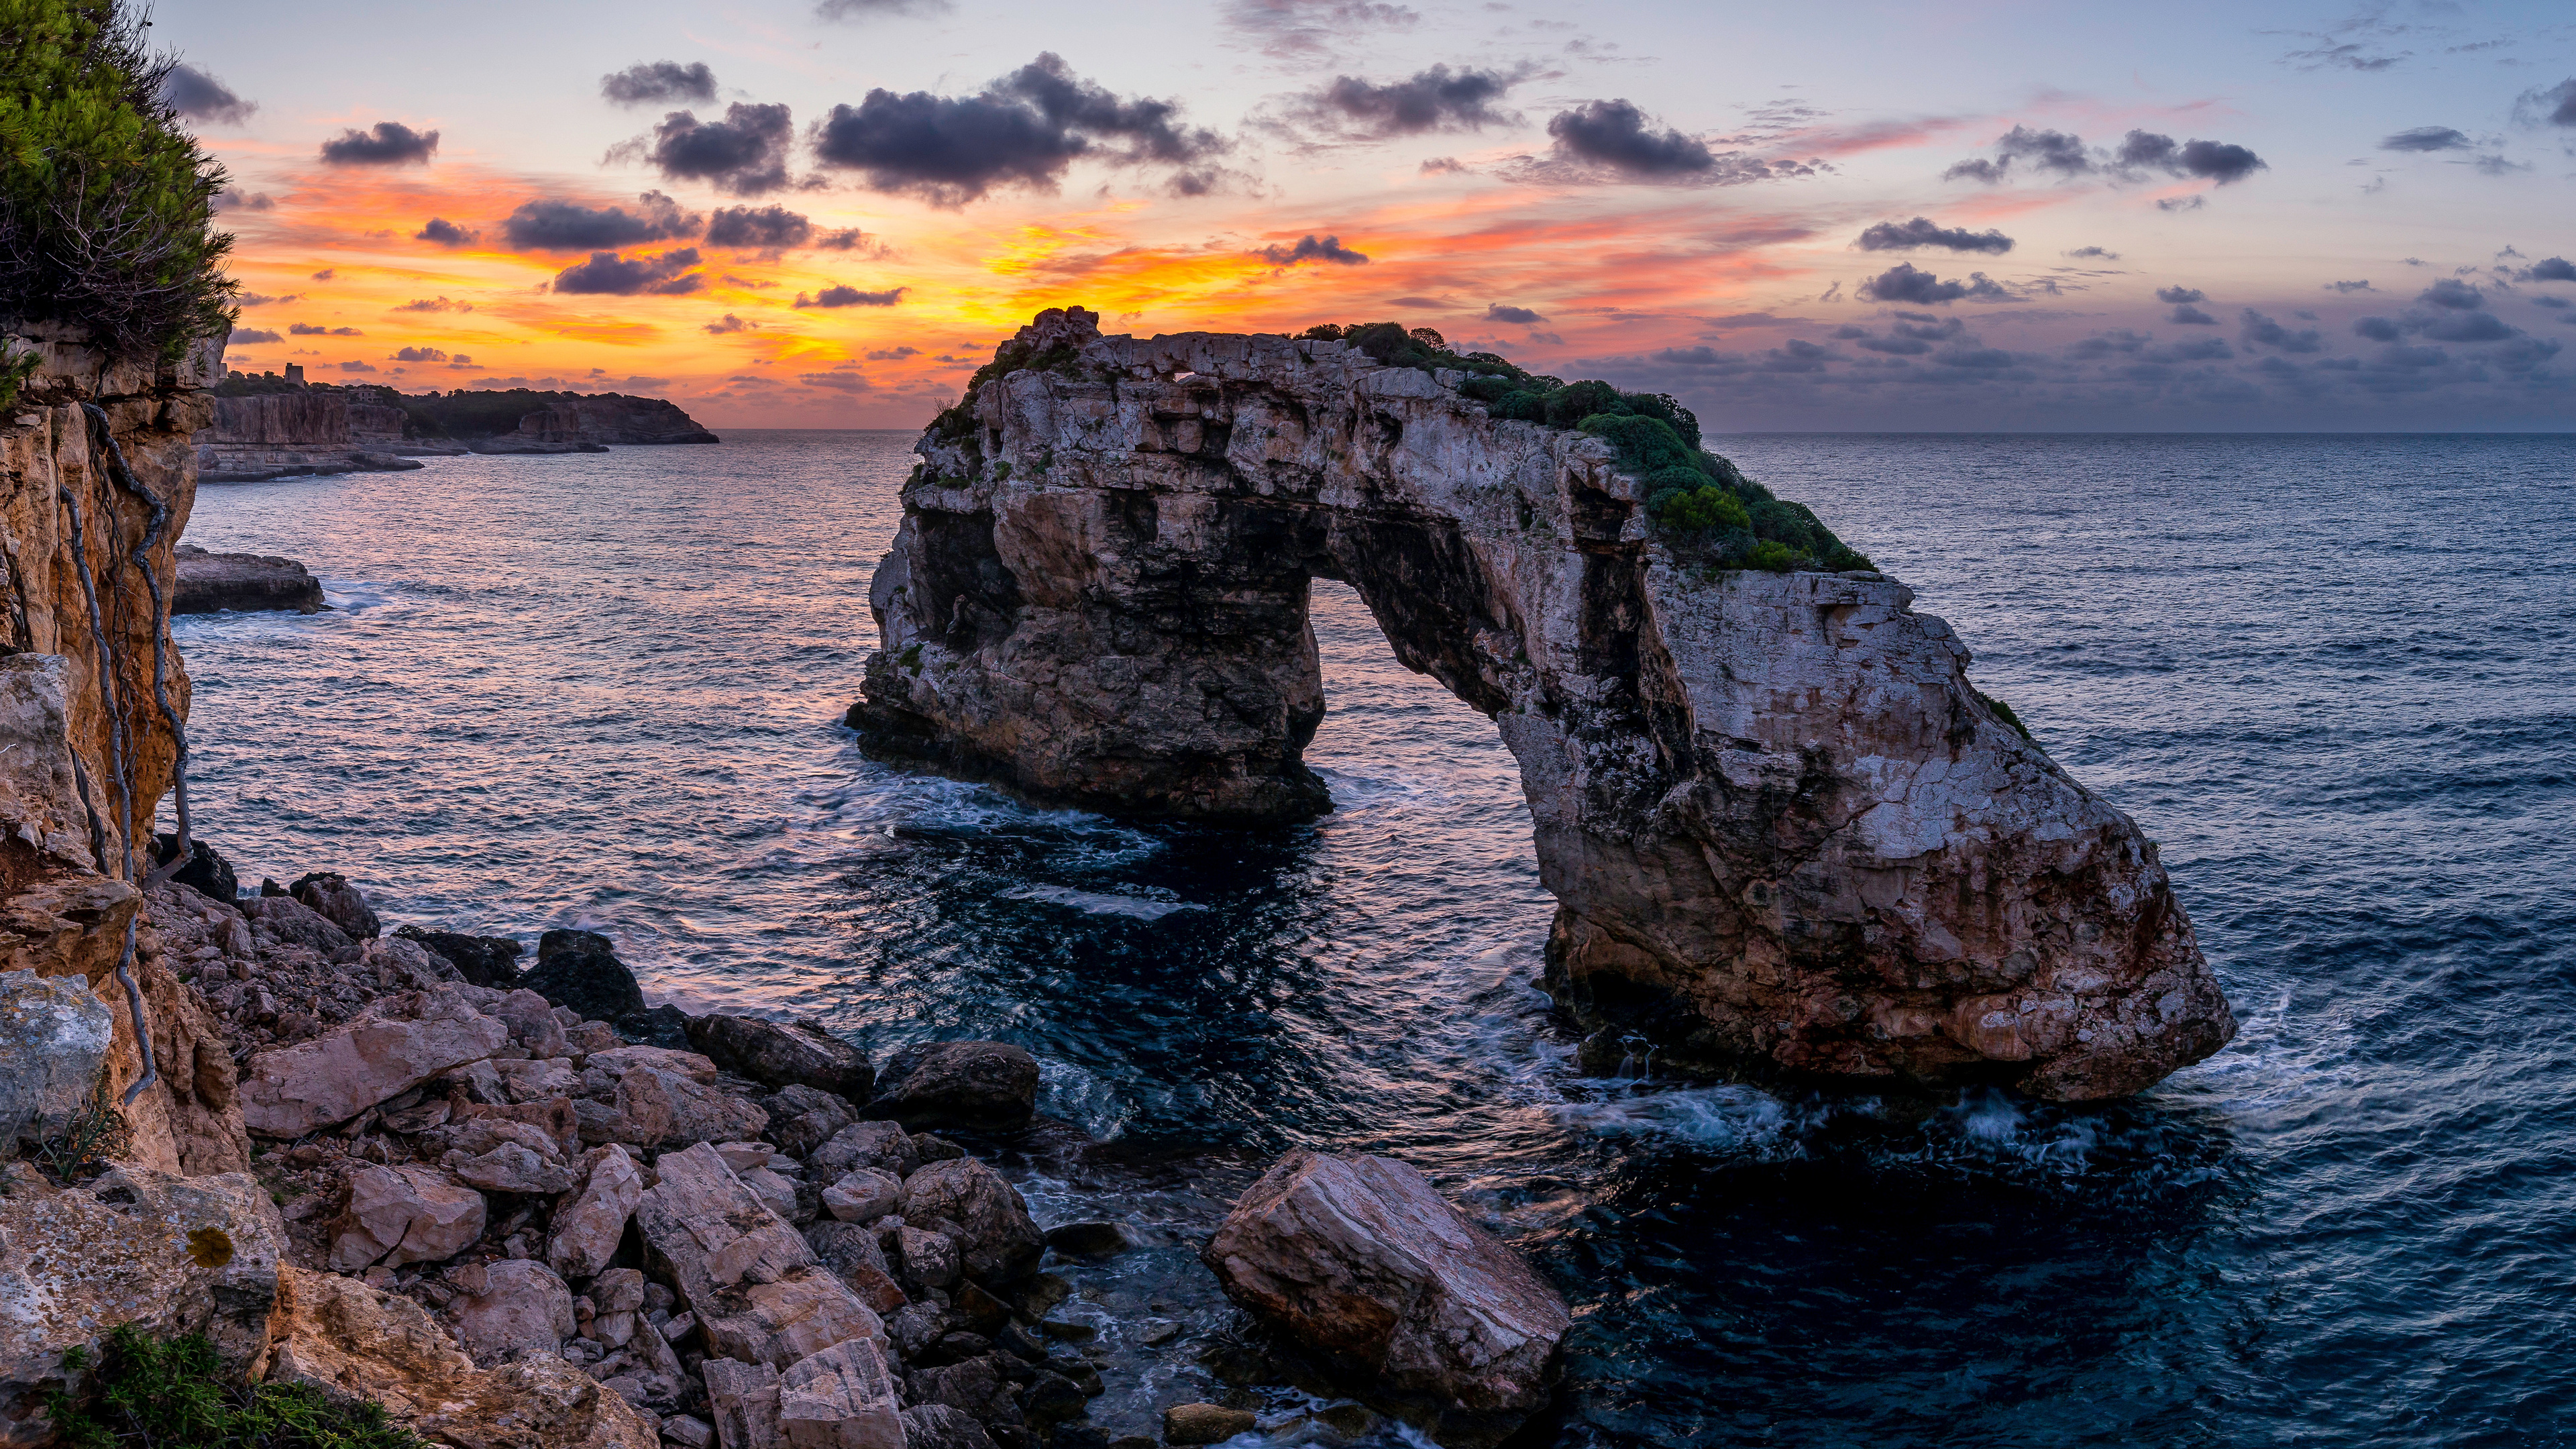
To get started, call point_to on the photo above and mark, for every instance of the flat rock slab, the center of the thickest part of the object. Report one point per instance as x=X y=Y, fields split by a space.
x=1359 y=1261
x=333 y=1077
x=211 y=583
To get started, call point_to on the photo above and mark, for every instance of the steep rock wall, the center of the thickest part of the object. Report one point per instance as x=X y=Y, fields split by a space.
x=1781 y=826
x=290 y=434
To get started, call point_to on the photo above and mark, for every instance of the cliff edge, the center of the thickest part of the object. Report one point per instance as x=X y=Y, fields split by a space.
x=1782 y=827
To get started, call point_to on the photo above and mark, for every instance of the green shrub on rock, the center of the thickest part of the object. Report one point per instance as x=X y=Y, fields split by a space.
x=175 y=1395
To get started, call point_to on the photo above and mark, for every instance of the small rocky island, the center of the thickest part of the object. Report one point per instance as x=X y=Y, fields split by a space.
x=270 y=426
x=214 y=583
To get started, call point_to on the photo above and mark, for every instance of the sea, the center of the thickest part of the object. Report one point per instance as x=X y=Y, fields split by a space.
x=2334 y=677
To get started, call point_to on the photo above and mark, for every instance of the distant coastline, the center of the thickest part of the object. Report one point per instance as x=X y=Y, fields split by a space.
x=270 y=426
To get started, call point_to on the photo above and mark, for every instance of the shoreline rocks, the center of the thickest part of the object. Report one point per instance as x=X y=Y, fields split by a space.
x=214 y=583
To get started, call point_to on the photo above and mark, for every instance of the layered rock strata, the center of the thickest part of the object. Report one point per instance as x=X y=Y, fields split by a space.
x=298 y=434
x=1782 y=827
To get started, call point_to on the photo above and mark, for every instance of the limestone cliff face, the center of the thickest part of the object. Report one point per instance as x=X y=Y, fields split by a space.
x=93 y=698
x=290 y=434
x=626 y=420
x=1781 y=826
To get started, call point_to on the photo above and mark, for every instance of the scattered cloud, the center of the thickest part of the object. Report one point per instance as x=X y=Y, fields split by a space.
x=2065 y=155
x=766 y=228
x=1443 y=166
x=1921 y=232
x=564 y=226
x=608 y=274
x=434 y=304
x=2186 y=315
x=1308 y=249
x=1905 y=285
x=229 y=200
x=446 y=233
x=2180 y=295
x=2261 y=331
x=357 y=367
x=659 y=82
x=849 y=381
x=1615 y=140
x=745 y=154
x=871 y=9
x=2426 y=138
x=730 y=323
x=2549 y=269
x=2181 y=203
x=248 y=336
x=1518 y=316
x=307 y=329
x=391 y=143
x=2056 y=151
x=2350 y=287
x=850 y=239
x=1309 y=29
x=892 y=354
x=1434 y=99
x=840 y=296
x=2547 y=105
x=1023 y=131
x=419 y=354
x=2096 y=254
x=200 y=97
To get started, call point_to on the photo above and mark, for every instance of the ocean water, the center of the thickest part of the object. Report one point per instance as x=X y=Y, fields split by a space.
x=2332 y=675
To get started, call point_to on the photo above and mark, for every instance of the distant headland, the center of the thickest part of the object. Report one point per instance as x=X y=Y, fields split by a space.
x=267 y=426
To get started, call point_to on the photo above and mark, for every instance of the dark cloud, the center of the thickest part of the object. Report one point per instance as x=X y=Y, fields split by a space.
x=246 y=336
x=2554 y=303
x=434 y=304
x=1422 y=304
x=745 y=154
x=391 y=143
x=564 y=226
x=326 y=274
x=2186 y=315
x=2452 y=295
x=730 y=323
x=259 y=299
x=2550 y=269
x=2039 y=150
x=2259 y=330
x=2461 y=327
x=893 y=354
x=2426 y=138
x=838 y=296
x=357 y=367
x=1443 y=166
x=2547 y=105
x=2180 y=295
x=1310 y=29
x=2220 y=162
x=1518 y=316
x=848 y=239
x=2094 y=254
x=307 y=329
x=1023 y=130
x=2181 y=203
x=834 y=381
x=1904 y=284
x=608 y=274
x=200 y=97
x=419 y=354
x=446 y=233
x=2350 y=287
x=764 y=228
x=1308 y=249
x=659 y=82
x=238 y=201
x=1437 y=99
x=1615 y=134
x=1896 y=236
x=2377 y=329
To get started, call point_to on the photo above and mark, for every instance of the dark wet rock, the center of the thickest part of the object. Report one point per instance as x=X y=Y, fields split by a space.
x=1052 y=1399
x=213 y=582
x=801 y=1118
x=481 y=960
x=1089 y=1241
x=207 y=872
x=331 y=897
x=1358 y=1261
x=974 y=1086
x=580 y=970
x=884 y=1146
x=943 y=1426
x=936 y=1149
x=996 y=1239
x=1205 y=1423
x=783 y=1054
x=979 y=1387
x=286 y=921
x=662 y=1026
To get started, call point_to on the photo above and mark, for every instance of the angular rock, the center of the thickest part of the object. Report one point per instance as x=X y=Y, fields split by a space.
x=744 y=1401
x=784 y=1054
x=774 y=1190
x=655 y=1108
x=751 y=1280
x=580 y=969
x=511 y=1167
x=532 y=1024
x=170 y=1255
x=804 y=1118
x=399 y=1215
x=662 y=1026
x=978 y=1387
x=282 y=920
x=930 y=1260
x=482 y=960
x=54 y=1039
x=863 y=1195
x=884 y=1146
x=207 y=872
x=1205 y=1423
x=997 y=1241
x=976 y=1086
x=1359 y=1261
x=841 y=1398
x=511 y=1309
x=940 y=1426
x=400 y=1044
x=1782 y=825
x=588 y=1228
x=331 y=897
x=688 y=1432
x=1090 y=1240
x=851 y=1251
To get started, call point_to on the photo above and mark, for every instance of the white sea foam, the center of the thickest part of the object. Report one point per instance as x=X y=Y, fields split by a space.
x=1101 y=903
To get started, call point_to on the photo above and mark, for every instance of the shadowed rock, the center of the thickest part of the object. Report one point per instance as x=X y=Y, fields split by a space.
x=580 y=969
x=482 y=960
x=784 y=1054
x=210 y=583
x=1782 y=827
x=980 y=1086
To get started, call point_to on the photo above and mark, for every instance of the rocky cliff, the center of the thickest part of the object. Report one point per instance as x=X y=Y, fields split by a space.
x=291 y=434
x=333 y=430
x=1782 y=827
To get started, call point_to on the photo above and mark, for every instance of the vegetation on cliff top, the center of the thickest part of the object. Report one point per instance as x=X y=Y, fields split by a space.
x=106 y=203
x=433 y=414
x=175 y=1395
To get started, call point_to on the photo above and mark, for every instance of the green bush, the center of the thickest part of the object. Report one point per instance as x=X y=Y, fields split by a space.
x=106 y=204
x=1708 y=509
x=174 y=1395
x=2004 y=712
x=1772 y=557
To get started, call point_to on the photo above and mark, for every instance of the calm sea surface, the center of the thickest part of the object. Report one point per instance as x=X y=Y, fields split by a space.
x=2334 y=676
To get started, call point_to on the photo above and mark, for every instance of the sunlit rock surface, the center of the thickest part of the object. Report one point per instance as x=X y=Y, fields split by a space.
x=1782 y=827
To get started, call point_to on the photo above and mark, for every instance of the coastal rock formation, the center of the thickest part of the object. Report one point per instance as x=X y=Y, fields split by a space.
x=1781 y=825
x=315 y=429
x=1358 y=1260
x=297 y=434
x=210 y=583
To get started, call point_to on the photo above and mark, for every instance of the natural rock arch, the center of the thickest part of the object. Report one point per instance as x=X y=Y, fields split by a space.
x=1780 y=825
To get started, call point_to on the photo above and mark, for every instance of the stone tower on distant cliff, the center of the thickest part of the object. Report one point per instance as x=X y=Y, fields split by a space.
x=1781 y=826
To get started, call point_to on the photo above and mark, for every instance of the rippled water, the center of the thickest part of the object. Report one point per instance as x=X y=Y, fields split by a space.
x=2331 y=675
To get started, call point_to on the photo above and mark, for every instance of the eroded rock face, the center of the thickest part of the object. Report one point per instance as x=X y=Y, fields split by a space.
x=1359 y=1261
x=1781 y=826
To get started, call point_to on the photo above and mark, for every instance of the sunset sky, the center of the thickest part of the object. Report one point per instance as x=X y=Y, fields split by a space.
x=1820 y=216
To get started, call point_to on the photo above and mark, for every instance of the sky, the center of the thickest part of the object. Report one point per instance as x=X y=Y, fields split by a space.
x=1826 y=216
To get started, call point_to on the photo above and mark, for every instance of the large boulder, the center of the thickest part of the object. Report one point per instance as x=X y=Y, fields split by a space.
x=482 y=960
x=207 y=872
x=750 y=1278
x=212 y=583
x=169 y=1255
x=330 y=896
x=976 y=1086
x=54 y=1039
x=282 y=920
x=511 y=1309
x=784 y=1054
x=996 y=1239
x=580 y=969
x=841 y=1398
x=399 y=1215
x=402 y=1042
x=1423 y=1314
x=743 y=1398
x=589 y=1223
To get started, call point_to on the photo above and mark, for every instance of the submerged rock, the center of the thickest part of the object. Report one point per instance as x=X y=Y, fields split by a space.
x=1781 y=825
x=1358 y=1261
x=211 y=583
x=978 y=1086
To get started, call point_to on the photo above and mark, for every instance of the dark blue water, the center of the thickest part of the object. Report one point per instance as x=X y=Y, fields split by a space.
x=2330 y=675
